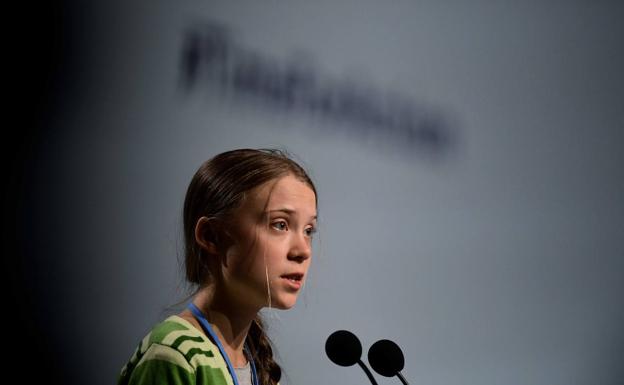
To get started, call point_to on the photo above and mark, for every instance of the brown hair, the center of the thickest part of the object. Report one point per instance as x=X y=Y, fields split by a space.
x=217 y=188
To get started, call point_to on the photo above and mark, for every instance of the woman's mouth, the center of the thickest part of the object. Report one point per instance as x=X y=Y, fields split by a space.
x=294 y=280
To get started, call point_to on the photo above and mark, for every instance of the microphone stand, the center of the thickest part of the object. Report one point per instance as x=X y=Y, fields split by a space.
x=368 y=373
x=403 y=380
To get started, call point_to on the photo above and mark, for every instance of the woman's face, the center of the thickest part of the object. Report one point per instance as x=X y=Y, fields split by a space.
x=272 y=234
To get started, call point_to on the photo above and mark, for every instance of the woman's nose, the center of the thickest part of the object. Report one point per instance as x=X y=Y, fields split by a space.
x=301 y=249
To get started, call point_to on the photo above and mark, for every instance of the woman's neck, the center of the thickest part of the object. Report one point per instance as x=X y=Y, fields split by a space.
x=231 y=325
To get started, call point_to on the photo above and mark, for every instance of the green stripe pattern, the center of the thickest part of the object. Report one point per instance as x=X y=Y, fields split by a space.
x=175 y=353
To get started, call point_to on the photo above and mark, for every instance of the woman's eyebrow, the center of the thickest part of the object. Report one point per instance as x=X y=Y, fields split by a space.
x=288 y=211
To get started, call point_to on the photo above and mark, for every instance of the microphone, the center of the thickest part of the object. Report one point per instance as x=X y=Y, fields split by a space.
x=386 y=358
x=344 y=348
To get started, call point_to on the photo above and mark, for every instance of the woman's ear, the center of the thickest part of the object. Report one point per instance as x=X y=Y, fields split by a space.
x=206 y=235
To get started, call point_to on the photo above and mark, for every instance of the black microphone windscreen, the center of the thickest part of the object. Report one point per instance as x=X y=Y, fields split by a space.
x=386 y=358
x=343 y=348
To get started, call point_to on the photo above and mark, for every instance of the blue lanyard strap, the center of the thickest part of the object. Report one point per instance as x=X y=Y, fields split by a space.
x=208 y=329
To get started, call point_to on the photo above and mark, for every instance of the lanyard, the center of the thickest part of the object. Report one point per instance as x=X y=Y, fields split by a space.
x=208 y=329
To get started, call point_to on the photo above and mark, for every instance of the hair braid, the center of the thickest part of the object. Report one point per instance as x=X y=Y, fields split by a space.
x=269 y=371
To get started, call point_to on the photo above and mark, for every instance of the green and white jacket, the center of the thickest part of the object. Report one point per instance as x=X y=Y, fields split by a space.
x=175 y=353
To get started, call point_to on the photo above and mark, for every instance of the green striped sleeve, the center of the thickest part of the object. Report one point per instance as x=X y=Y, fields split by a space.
x=162 y=365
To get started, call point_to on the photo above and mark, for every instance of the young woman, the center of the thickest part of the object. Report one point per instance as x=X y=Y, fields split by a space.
x=249 y=216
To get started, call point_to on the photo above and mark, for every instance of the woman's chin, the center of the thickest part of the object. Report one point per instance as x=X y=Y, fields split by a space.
x=283 y=303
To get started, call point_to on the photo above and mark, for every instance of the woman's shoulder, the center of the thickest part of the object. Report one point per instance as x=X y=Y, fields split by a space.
x=176 y=334
x=176 y=340
x=173 y=331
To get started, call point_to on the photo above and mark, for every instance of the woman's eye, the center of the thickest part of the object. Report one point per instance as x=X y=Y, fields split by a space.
x=310 y=231
x=281 y=225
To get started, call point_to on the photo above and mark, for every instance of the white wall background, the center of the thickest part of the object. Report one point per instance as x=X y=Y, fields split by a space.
x=501 y=262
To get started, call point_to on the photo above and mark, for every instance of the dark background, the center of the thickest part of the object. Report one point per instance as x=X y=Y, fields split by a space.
x=39 y=56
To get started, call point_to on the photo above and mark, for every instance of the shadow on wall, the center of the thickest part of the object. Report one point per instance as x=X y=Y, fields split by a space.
x=213 y=61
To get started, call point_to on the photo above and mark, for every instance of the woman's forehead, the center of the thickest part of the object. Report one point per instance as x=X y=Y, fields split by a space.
x=287 y=192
